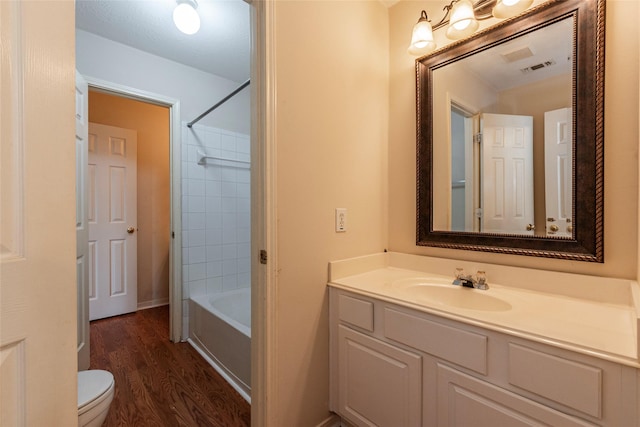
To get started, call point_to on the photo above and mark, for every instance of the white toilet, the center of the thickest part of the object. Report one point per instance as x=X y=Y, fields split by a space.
x=95 y=393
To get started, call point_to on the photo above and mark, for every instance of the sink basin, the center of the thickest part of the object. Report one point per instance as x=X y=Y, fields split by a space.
x=421 y=281
x=442 y=292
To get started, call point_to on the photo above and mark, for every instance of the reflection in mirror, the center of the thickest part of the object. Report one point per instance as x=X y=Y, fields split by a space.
x=516 y=177
x=510 y=136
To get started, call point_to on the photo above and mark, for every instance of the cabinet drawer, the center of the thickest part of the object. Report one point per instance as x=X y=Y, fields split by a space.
x=356 y=312
x=463 y=348
x=570 y=383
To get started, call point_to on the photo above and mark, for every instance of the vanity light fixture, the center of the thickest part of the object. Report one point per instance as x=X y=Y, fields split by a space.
x=463 y=21
x=422 y=38
x=508 y=8
x=186 y=17
x=460 y=16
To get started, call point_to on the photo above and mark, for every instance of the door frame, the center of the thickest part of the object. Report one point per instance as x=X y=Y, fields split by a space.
x=265 y=399
x=472 y=175
x=470 y=159
x=175 y=248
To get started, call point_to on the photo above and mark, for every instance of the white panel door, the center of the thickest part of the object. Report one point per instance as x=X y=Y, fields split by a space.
x=37 y=238
x=507 y=173
x=82 y=227
x=558 y=171
x=112 y=216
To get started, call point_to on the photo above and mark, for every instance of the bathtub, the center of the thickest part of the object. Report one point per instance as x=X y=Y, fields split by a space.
x=220 y=329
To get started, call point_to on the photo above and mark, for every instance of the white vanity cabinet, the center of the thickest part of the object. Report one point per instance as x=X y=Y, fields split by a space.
x=380 y=384
x=392 y=366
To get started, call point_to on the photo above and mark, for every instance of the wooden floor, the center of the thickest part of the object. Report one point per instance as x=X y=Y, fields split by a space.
x=157 y=382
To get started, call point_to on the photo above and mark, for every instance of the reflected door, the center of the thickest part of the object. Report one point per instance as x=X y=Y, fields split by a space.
x=558 y=172
x=112 y=216
x=507 y=174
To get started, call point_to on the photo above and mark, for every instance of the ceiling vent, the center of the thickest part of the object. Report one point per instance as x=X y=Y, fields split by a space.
x=539 y=66
x=517 y=55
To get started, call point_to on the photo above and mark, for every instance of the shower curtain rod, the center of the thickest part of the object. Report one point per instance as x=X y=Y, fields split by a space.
x=225 y=99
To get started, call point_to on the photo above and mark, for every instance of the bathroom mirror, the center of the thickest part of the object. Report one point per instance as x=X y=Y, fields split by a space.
x=511 y=136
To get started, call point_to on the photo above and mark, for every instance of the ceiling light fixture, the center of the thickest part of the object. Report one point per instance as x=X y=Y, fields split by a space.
x=186 y=17
x=462 y=17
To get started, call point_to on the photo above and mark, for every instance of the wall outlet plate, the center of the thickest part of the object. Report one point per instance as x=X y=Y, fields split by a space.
x=341 y=220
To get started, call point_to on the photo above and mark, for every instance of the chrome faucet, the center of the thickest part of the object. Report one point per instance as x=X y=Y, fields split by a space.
x=479 y=281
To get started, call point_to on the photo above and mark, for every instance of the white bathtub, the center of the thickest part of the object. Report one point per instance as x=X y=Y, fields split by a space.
x=220 y=329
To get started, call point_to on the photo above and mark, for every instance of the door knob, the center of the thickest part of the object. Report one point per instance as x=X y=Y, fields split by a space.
x=530 y=227
x=554 y=228
x=131 y=230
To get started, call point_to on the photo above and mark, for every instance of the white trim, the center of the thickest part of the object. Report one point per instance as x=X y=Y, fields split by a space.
x=131 y=92
x=153 y=303
x=219 y=369
x=175 y=249
x=264 y=351
x=332 y=421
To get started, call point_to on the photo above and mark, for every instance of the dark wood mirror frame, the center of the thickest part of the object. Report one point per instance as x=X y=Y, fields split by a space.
x=587 y=241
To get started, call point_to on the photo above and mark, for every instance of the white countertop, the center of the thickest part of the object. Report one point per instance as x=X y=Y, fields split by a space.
x=602 y=327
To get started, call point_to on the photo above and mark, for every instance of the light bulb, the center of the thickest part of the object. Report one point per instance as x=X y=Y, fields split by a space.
x=186 y=18
x=508 y=8
x=461 y=25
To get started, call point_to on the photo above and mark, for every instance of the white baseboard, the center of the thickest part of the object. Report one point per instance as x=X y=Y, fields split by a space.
x=153 y=303
x=332 y=421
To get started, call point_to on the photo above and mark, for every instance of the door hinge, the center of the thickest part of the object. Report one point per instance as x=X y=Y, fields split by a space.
x=263 y=256
x=477 y=138
x=478 y=213
x=173 y=234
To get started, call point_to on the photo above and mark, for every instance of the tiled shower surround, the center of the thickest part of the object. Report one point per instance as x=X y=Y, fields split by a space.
x=216 y=224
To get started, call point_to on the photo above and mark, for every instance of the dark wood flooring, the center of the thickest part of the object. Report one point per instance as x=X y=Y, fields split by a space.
x=157 y=382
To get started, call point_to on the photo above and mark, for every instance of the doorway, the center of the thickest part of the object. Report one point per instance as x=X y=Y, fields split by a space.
x=148 y=107
x=465 y=177
x=97 y=61
x=151 y=225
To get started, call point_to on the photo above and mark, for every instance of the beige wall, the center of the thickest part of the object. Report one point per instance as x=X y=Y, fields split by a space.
x=332 y=112
x=621 y=146
x=152 y=124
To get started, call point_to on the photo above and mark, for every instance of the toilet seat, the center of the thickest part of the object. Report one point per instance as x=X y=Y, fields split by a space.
x=93 y=386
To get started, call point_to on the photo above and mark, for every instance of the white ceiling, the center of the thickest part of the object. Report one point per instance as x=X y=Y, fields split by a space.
x=221 y=47
x=552 y=44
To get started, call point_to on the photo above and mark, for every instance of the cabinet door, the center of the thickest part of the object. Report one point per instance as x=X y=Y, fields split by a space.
x=379 y=385
x=464 y=401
